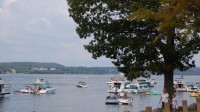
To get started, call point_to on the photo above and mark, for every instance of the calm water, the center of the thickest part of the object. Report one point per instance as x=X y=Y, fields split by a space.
x=69 y=98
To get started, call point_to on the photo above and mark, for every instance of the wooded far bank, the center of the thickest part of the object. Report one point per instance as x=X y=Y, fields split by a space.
x=54 y=68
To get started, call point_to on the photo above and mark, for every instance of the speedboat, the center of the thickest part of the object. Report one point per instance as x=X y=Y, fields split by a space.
x=43 y=89
x=27 y=89
x=2 y=88
x=81 y=85
x=38 y=88
x=124 y=101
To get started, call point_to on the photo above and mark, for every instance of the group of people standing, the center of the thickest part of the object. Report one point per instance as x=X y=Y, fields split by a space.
x=165 y=99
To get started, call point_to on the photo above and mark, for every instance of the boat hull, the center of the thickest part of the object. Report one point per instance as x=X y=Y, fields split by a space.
x=47 y=91
x=193 y=94
x=2 y=94
x=80 y=86
x=125 y=101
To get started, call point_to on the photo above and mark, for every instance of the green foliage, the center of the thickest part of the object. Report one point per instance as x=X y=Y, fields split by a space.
x=140 y=36
x=52 y=68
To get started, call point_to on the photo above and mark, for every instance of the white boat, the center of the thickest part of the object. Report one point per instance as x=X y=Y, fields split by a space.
x=27 y=89
x=190 y=86
x=49 y=90
x=40 y=81
x=197 y=84
x=125 y=101
x=43 y=88
x=116 y=86
x=179 y=86
x=148 y=81
x=81 y=85
x=38 y=88
x=138 y=88
x=2 y=88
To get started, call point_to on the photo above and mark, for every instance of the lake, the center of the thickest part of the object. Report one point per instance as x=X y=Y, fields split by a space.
x=69 y=98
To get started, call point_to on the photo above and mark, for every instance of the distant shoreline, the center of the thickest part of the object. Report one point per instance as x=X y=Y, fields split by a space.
x=54 y=68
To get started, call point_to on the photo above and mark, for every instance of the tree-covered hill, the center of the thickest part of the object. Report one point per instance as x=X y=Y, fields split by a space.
x=52 y=68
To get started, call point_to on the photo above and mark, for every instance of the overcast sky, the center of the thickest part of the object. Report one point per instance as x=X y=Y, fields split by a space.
x=42 y=31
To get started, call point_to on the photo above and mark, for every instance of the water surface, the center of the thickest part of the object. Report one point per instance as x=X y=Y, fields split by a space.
x=69 y=98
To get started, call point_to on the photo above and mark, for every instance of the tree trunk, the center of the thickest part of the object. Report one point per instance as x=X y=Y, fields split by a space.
x=168 y=83
x=170 y=59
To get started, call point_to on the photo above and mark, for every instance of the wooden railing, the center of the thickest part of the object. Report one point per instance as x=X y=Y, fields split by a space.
x=184 y=105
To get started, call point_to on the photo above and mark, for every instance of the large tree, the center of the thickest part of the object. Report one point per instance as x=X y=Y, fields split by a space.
x=142 y=37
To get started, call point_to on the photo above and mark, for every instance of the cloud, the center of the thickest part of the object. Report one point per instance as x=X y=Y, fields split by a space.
x=42 y=31
x=37 y=24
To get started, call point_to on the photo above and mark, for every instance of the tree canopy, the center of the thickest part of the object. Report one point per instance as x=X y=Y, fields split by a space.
x=142 y=37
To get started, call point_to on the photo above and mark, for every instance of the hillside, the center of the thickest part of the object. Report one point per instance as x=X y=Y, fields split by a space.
x=54 y=68
x=51 y=68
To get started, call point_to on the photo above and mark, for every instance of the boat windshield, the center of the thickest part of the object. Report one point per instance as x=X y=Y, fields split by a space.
x=133 y=87
x=117 y=85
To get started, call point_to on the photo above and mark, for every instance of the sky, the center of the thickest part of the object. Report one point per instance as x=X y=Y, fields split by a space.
x=42 y=31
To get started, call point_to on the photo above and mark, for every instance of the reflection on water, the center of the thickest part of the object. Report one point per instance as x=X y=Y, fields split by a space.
x=69 y=98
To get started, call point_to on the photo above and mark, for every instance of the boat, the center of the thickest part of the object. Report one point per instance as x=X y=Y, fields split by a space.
x=152 y=93
x=197 y=84
x=125 y=101
x=181 y=77
x=190 y=86
x=27 y=89
x=139 y=88
x=43 y=88
x=112 y=100
x=116 y=86
x=40 y=81
x=2 y=88
x=81 y=85
x=142 y=80
x=38 y=88
x=194 y=94
x=179 y=86
x=116 y=99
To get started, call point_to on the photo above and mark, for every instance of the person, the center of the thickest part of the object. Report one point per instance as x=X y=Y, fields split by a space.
x=174 y=103
x=164 y=98
x=125 y=96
